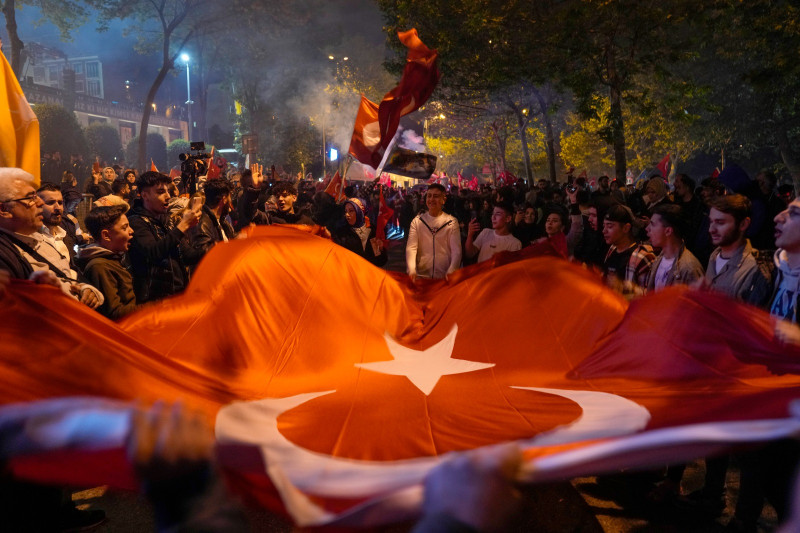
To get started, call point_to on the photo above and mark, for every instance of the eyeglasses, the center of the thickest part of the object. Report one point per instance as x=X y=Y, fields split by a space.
x=27 y=201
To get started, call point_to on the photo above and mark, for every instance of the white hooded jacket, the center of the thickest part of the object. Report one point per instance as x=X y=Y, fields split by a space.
x=434 y=246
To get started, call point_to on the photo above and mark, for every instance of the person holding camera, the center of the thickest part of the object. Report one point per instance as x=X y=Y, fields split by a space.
x=159 y=266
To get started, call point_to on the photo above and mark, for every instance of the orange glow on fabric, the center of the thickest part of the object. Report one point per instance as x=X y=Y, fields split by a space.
x=19 y=127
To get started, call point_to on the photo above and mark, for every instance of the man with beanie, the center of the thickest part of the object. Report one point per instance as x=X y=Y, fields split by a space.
x=627 y=263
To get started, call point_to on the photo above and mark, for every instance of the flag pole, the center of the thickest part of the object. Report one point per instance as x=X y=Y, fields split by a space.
x=388 y=151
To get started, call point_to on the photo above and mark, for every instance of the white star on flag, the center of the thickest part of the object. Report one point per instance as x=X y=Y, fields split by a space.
x=424 y=367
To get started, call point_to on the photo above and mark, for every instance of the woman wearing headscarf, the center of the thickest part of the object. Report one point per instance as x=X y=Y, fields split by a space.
x=357 y=236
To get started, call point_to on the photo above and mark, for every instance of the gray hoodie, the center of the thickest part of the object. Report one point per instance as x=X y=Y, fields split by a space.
x=787 y=288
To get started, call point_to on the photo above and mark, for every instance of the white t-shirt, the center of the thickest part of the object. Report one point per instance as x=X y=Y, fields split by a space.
x=720 y=262
x=663 y=270
x=489 y=243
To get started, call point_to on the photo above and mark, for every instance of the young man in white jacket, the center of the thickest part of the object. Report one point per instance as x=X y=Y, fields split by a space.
x=433 y=249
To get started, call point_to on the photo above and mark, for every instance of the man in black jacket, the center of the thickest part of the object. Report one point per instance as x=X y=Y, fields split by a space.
x=213 y=227
x=157 y=258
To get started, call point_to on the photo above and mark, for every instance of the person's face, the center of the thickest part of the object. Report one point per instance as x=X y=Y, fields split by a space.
x=657 y=231
x=764 y=184
x=227 y=205
x=500 y=219
x=130 y=177
x=434 y=199
x=24 y=214
x=787 y=228
x=156 y=198
x=542 y=185
x=118 y=237
x=530 y=215
x=553 y=225
x=680 y=187
x=350 y=214
x=603 y=184
x=109 y=174
x=723 y=228
x=53 y=207
x=286 y=201
x=592 y=216
x=615 y=232
x=519 y=216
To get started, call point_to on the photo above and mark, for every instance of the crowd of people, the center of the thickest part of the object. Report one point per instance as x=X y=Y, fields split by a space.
x=145 y=234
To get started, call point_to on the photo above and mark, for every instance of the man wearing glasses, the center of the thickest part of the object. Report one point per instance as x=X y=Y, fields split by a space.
x=20 y=240
x=433 y=249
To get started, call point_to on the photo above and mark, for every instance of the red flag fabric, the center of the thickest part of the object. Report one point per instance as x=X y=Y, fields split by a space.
x=153 y=166
x=365 y=144
x=584 y=381
x=663 y=166
x=214 y=172
x=335 y=188
x=385 y=180
x=420 y=76
x=385 y=214
x=715 y=174
x=473 y=183
x=175 y=173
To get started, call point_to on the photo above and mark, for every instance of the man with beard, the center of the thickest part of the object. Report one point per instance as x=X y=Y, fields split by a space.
x=733 y=267
x=159 y=266
x=53 y=222
x=212 y=227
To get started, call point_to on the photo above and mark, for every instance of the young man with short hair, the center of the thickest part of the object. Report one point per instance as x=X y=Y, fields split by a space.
x=784 y=301
x=627 y=262
x=213 y=227
x=103 y=262
x=733 y=266
x=433 y=249
x=494 y=240
x=158 y=266
x=675 y=265
x=286 y=196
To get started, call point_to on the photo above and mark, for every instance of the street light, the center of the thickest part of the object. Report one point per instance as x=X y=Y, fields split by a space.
x=189 y=102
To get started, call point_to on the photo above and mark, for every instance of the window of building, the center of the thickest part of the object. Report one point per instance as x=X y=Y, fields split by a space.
x=38 y=74
x=53 y=73
x=78 y=68
x=94 y=87
x=92 y=69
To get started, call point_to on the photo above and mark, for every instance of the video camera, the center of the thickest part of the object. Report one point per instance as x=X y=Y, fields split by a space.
x=193 y=165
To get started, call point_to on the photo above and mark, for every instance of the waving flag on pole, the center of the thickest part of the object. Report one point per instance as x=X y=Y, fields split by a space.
x=153 y=167
x=365 y=144
x=335 y=188
x=262 y=343
x=664 y=166
x=19 y=127
x=420 y=76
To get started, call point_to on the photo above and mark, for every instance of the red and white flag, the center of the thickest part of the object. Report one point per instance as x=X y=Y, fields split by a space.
x=262 y=343
x=335 y=188
x=420 y=76
x=385 y=214
x=365 y=144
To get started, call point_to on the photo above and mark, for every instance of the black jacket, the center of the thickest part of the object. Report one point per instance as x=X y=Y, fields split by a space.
x=156 y=260
x=105 y=270
x=12 y=260
x=208 y=232
x=347 y=238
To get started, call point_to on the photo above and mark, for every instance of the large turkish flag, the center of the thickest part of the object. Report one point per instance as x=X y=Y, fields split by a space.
x=337 y=385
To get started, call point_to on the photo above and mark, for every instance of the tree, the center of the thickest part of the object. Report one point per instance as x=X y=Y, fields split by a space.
x=59 y=130
x=175 y=149
x=65 y=14
x=103 y=140
x=156 y=151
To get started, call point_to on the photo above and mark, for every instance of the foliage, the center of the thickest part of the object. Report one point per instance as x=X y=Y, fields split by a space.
x=104 y=140
x=176 y=148
x=59 y=130
x=156 y=150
